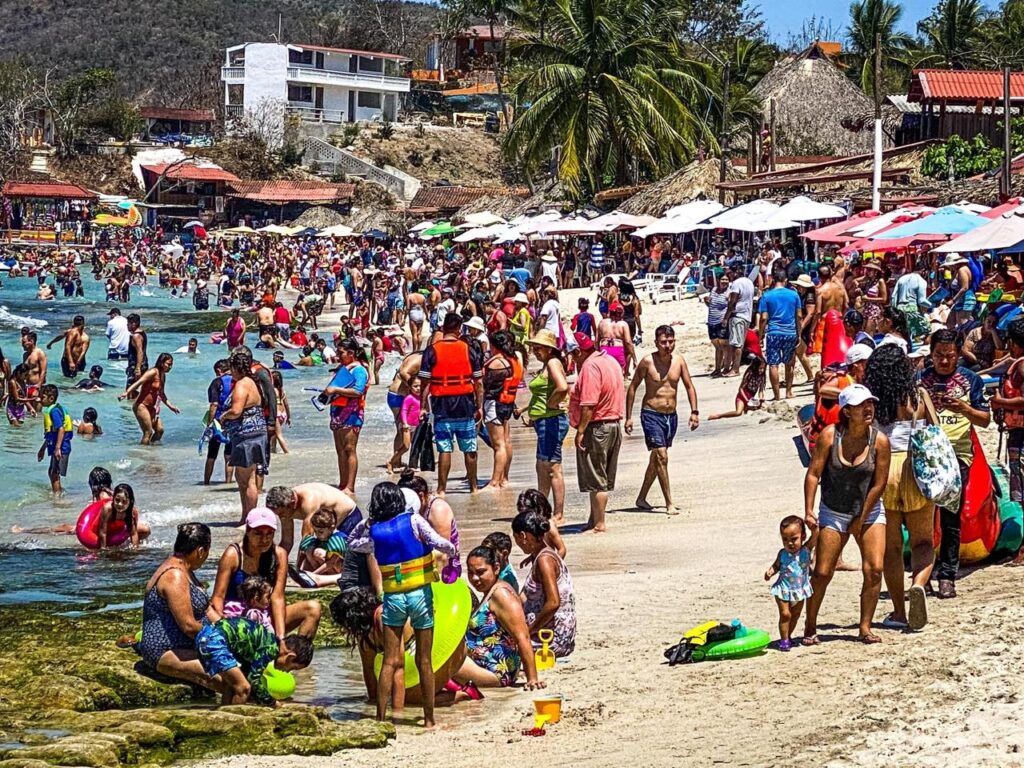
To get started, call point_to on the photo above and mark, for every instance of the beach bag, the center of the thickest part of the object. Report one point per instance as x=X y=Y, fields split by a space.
x=421 y=450
x=933 y=461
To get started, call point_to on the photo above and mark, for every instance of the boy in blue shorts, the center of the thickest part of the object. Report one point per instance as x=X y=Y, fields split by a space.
x=57 y=433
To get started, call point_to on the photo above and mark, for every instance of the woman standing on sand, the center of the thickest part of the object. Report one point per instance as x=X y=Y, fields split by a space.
x=851 y=465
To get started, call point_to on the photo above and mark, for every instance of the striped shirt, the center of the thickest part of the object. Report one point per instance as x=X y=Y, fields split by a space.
x=718 y=303
x=597 y=256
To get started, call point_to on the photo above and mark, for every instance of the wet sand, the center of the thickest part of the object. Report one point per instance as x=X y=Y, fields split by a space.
x=945 y=696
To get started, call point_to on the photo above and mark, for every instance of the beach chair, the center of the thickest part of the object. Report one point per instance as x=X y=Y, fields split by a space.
x=673 y=287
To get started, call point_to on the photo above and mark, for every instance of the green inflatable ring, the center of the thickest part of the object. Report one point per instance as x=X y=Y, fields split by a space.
x=1011 y=534
x=452 y=608
x=751 y=644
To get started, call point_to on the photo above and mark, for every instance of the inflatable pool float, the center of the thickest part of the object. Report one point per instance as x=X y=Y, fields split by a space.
x=87 y=528
x=979 y=515
x=452 y=607
x=834 y=341
x=753 y=643
x=1011 y=532
x=737 y=642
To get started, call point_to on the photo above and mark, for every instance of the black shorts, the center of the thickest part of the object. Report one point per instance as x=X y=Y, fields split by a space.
x=718 y=331
x=213 y=448
x=69 y=371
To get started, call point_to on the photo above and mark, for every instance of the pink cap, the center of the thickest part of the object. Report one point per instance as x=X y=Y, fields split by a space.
x=260 y=517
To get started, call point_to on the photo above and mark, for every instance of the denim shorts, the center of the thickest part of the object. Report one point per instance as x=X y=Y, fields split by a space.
x=417 y=606
x=839 y=523
x=551 y=432
x=214 y=654
x=447 y=431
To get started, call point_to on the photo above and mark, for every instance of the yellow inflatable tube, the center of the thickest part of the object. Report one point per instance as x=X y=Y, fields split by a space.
x=452 y=608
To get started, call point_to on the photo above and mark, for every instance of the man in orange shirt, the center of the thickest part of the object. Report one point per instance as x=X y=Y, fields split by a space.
x=597 y=403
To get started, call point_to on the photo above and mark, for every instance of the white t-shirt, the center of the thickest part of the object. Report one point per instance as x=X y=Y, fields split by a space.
x=549 y=313
x=329 y=355
x=118 y=335
x=745 y=296
x=549 y=269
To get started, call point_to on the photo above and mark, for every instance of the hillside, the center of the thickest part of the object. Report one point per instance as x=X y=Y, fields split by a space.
x=163 y=49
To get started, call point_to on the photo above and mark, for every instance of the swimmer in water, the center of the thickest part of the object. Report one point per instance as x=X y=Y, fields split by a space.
x=89 y=425
x=94 y=383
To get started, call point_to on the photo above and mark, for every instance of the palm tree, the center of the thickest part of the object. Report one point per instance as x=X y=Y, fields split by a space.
x=1004 y=34
x=609 y=87
x=953 y=32
x=868 y=19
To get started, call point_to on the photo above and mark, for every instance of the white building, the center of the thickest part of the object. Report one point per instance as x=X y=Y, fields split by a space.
x=324 y=86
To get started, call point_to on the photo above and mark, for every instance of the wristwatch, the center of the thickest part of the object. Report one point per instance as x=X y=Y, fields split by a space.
x=695 y=413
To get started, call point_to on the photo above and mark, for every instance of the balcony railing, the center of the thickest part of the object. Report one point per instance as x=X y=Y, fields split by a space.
x=232 y=73
x=315 y=115
x=364 y=79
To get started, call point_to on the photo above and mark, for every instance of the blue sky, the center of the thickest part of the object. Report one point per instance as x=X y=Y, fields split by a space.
x=783 y=17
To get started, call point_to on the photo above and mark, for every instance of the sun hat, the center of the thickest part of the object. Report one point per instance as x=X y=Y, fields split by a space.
x=803 y=281
x=476 y=324
x=261 y=517
x=549 y=256
x=952 y=259
x=858 y=353
x=520 y=298
x=872 y=264
x=855 y=394
x=544 y=338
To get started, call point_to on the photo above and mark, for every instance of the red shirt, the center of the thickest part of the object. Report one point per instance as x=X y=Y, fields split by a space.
x=299 y=338
x=599 y=385
x=282 y=315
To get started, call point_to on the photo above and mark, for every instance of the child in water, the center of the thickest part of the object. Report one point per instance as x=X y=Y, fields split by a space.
x=89 y=426
x=284 y=413
x=121 y=508
x=793 y=587
x=751 y=392
x=57 y=434
x=255 y=602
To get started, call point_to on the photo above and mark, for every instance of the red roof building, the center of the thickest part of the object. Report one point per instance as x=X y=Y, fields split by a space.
x=283 y=192
x=967 y=87
x=446 y=199
x=47 y=190
x=959 y=103
x=190 y=172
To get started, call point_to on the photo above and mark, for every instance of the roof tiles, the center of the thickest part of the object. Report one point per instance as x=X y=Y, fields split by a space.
x=56 y=190
x=281 y=192
x=963 y=86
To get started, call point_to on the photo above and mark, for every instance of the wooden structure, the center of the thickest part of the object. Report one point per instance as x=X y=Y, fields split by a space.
x=963 y=103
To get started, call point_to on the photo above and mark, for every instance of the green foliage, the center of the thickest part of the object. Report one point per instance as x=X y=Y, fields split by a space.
x=117 y=117
x=869 y=18
x=385 y=130
x=960 y=158
x=954 y=32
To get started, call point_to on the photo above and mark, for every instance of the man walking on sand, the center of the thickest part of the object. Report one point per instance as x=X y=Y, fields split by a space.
x=779 y=316
x=596 y=406
x=661 y=371
x=737 y=316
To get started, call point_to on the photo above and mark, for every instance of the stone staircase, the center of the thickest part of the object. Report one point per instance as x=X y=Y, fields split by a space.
x=331 y=160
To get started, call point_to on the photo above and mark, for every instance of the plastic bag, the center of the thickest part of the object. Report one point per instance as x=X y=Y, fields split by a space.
x=421 y=450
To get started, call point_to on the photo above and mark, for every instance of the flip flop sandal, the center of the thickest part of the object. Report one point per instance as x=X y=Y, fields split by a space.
x=810 y=640
x=870 y=639
x=890 y=623
x=918 y=613
x=300 y=578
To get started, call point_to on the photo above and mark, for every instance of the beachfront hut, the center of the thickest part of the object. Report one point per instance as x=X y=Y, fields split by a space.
x=812 y=95
x=41 y=210
x=695 y=181
x=283 y=200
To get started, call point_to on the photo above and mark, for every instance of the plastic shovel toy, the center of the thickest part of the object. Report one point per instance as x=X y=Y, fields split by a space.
x=545 y=657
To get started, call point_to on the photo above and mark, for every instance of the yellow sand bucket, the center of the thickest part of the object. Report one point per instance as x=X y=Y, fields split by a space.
x=550 y=707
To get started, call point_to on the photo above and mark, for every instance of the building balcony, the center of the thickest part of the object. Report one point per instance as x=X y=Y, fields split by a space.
x=232 y=74
x=311 y=114
x=233 y=111
x=367 y=81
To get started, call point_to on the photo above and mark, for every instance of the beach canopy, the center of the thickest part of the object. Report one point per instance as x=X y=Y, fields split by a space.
x=483 y=219
x=441 y=228
x=695 y=210
x=1010 y=206
x=1003 y=232
x=338 y=230
x=884 y=221
x=480 y=233
x=802 y=208
x=755 y=216
x=275 y=229
x=940 y=225
x=422 y=226
x=839 y=232
x=617 y=221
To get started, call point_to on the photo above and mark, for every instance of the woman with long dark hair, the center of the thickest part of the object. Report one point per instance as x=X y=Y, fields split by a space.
x=152 y=391
x=901 y=403
x=546 y=412
x=502 y=375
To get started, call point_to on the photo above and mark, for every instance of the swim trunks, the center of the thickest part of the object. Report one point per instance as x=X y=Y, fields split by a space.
x=779 y=348
x=395 y=400
x=659 y=428
x=551 y=433
x=447 y=431
x=70 y=371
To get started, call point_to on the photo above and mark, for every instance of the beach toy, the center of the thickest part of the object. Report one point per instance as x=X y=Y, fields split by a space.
x=979 y=516
x=834 y=341
x=699 y=634
x=138 y=636
x=87 y=528
x=280 y=685
x=549 y=707
x=752 y=643
x=452 y=608
x=1011 y=532
x=545 y=657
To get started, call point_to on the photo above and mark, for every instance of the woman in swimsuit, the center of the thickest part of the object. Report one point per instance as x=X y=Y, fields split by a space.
x=246 y=429
x=121 y=508
x=613 y=336
x=151 y=388
x=417 y=314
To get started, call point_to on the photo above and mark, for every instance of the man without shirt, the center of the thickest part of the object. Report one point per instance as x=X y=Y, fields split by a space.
x=34 y=359
x=661 y=371
x=301 y=501
x=76 y=345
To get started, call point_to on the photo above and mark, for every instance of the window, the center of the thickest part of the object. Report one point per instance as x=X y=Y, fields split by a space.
x=367 y=64
x=369 y=100
x=300 y=57
x=300 y=93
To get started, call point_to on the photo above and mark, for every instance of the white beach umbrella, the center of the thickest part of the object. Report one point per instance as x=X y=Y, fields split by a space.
x=802 y=208
x=338 y=230
x=421 y=226
x=695 y=210
x=483 y=219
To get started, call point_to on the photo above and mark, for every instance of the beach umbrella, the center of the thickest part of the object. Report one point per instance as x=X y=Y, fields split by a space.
x=802 y=208
x=1004 y=232
x=483 y=219
x=840 y=232
x=441 y=228
x=480 y=233
x=1010 y=206
x=695 y=210
x=338 y=230
x=617 y=221
x=741 y=215
x=885 y=220
x=940 y=225
x=421 y=226
x=377 y=234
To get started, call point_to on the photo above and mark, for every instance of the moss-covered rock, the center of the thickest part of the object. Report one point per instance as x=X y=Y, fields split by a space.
x=77 y=750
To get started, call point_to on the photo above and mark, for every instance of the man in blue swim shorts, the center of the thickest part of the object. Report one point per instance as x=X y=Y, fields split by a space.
x=451 y=371
x=661 y=371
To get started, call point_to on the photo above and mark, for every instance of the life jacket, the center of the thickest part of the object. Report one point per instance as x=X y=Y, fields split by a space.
x=227 y=383
x=453 y=372
x=512 y=381
x=1012 y=417
x=50 y=429
x=405 y=562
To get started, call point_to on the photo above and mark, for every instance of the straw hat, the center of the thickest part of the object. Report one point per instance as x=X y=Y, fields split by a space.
x=549 y=256
x=953 y=259
x=872 y=264
x=520 y=298
x=544 y=338
x=803 y=281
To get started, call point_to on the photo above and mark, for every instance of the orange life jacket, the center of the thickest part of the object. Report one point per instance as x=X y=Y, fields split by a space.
x=453 y=372
x=1012 y=418
x=512 y=381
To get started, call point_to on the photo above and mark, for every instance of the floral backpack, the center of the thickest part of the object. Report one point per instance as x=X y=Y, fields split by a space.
x=933 y=461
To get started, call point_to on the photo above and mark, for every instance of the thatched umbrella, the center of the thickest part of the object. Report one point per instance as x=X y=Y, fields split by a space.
x=696 y=180
x=812 y=97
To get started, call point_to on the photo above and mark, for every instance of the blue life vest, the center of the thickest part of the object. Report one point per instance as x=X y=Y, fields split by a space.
x=227 y=383
x=977 y=272
x=56 y=418
x=405 y=562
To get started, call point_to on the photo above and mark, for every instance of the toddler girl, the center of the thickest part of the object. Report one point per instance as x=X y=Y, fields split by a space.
x=793 y=564
x=410 y=416
x=255 y=602
x=751 y=392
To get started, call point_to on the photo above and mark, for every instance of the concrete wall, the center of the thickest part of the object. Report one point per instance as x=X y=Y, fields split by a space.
x=336 y=98
x=266 y=74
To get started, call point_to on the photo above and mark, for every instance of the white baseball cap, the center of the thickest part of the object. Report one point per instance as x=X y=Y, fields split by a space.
x=858 y=353
x=855 y=394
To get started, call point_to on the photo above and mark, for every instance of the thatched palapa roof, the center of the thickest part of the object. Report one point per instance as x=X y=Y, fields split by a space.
x=698 y=179
x=514 y=203
x=812 y=97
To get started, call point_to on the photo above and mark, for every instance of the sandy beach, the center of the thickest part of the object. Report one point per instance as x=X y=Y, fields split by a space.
x=944 y=696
